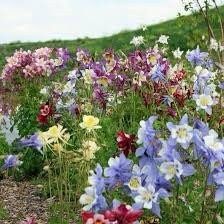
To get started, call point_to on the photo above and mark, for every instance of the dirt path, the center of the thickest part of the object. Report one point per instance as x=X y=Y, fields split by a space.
x=21 y=200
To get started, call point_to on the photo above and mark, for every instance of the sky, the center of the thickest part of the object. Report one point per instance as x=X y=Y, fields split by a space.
x=40 y=20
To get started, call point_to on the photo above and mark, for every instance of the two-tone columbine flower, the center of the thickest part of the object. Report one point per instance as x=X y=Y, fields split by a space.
x=181 y=133
x=90 y=123
x=92 y=200
x=148 y=197
x=219 y=180
x=46 y=111
x=204 y=102
x=176 y=169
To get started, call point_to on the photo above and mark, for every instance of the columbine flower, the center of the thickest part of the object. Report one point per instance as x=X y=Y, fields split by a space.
x=137 y=41
x=46 y=111
x=119 y=170
x=96 y=179
x=148 y=198
x=176 y=169
x=11 y=161
x=33 y=141
x=92 y=200
x=211 y=141
x=54 y=134
x=90 y=123
x=125 y=142
x=97 y=219
x=196 y=57
x=181 y=133
x=177 y=53
x=163 y=39
x=205 y=102
x=123 y=214
x=219 y=180
x=89 y=148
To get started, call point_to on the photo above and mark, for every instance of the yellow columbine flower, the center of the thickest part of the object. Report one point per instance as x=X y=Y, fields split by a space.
x=56 y=132
x=88 y=150
x=90 y=122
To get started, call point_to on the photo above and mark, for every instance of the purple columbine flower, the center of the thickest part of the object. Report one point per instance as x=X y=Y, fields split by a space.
x=196 y=57
x=119 y=171
x=158 y=74
x=33 y=141
x=11 y=161
x=64 y=54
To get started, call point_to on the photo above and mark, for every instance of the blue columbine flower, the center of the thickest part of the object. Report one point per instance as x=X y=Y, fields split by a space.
x=96 y=179
x=119 y=171
x=181 y=133
x=219 y=180
x=158 y=74
x=11 y=161
x=33 y=141
x=196 y=57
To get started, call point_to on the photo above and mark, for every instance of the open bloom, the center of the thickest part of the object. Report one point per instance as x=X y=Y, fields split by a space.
x=177 y=53
x=163 y=39
x=205 y=102
x=89 y=148
x=176 y=169
x=97 y=219
x=137 y=41
x=181 y=133
x=90 y=123
x=45 y=113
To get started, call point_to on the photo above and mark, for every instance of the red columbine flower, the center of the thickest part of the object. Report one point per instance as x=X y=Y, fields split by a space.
x=46 y=111
x=125 y=142
x=123 y=214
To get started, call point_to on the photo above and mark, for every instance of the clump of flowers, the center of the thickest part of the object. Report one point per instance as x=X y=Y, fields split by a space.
x=41 y=62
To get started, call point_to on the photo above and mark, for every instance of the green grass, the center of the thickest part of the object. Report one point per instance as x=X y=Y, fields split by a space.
x=3 y=213
x=184 y=32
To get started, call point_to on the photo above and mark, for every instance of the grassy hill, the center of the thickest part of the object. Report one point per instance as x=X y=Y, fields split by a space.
x=184 y=32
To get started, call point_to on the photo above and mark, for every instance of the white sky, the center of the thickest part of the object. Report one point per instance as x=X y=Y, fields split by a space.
x=33 y=20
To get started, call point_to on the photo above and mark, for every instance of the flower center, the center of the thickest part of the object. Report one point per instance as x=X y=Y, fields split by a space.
x=182 y=133
x=204 y=100
x=134 y=183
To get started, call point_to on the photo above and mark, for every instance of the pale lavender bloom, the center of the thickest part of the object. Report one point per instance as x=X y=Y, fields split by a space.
x=96 y=179
x=219 y=180
x=221 y=85
x=33 y=141
x=196 y=57
x=119 y=171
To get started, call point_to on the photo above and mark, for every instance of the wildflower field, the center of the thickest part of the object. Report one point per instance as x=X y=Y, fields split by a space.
x=124 y=129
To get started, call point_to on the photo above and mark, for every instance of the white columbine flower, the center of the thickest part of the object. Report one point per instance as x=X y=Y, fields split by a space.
x=137 y=41
x=163 y=39
x=211 y=141
x=177 y=53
